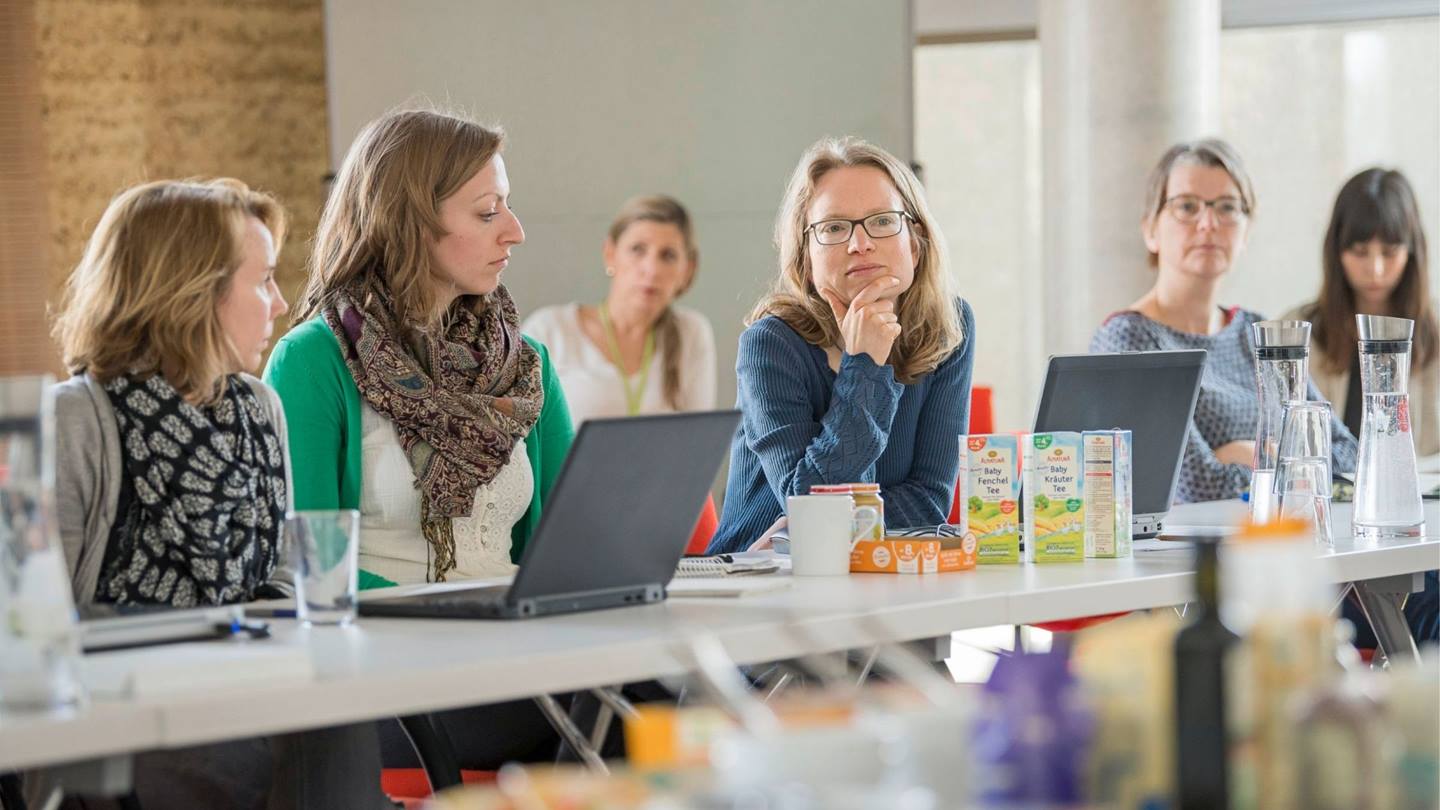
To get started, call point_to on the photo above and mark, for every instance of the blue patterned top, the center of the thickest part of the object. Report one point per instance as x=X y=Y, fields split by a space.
x=804 y=424
x=1229 y=405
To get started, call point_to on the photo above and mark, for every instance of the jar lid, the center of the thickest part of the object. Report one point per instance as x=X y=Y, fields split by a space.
x=865 y=489
x=830 y=489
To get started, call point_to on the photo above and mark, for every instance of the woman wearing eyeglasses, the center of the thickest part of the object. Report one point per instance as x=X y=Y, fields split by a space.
x=856 y=366
x=1197 y=217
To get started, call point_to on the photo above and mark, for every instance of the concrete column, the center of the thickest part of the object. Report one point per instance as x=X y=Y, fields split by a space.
x=1121 y=80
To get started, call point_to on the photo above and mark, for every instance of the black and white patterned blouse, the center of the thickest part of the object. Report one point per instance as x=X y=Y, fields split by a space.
x=1228 y=408
x=202 y=501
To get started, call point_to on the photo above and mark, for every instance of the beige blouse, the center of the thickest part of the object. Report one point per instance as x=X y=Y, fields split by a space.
x=1424 y=393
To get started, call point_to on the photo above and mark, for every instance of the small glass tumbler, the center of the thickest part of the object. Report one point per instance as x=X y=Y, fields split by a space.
x=325 y=550
x=1303 y=479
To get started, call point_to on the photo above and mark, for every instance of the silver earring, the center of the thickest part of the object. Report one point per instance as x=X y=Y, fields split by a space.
x=610 y=271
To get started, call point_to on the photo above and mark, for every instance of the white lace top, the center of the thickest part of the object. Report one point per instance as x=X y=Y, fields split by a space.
x=391 y=544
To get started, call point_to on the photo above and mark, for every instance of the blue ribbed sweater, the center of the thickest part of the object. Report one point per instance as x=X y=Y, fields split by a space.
x=804 y=424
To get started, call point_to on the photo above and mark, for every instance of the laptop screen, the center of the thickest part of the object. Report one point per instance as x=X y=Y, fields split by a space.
x=1151 y=394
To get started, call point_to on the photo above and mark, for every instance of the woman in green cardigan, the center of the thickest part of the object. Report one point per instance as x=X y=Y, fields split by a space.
x=409 y=391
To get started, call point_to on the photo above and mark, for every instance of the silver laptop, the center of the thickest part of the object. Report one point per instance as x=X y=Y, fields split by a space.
x=1151 y=394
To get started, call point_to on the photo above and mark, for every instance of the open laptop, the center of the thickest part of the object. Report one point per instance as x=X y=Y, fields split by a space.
x=613 y=529
x=1151 y=394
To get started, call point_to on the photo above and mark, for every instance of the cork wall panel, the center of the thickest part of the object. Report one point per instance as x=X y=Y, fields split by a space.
x=24 y=347
x=144 y=89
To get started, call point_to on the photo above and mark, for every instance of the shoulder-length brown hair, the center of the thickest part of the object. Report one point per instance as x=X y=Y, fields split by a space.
x=1374 y=204
x=144 y=297
x=929 y=319
x=383 y=213
x=666 y=211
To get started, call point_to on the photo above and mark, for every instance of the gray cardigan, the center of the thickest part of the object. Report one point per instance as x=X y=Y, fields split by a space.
x=88 y=474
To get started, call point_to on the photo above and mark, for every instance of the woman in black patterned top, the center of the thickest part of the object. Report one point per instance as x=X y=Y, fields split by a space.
x=1197 y=218
x=172 y=477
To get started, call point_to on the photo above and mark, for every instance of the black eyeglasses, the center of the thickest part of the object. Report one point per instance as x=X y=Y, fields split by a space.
x=1187 y=208
x=879 y=226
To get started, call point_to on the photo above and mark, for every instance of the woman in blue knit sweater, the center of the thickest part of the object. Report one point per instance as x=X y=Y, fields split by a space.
x=856 y=366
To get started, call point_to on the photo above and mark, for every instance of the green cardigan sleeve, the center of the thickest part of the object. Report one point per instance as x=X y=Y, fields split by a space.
x=547 y=445
x=322 y=409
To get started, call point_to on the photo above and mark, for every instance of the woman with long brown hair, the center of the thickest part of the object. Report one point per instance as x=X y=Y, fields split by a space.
x=410 y=392
x=1375 y=261
x=856 y=367
x=637 y=351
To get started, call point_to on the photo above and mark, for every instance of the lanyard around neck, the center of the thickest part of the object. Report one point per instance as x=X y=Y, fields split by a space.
x=632 y=396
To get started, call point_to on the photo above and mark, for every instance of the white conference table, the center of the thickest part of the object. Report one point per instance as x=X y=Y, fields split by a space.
x=387 y=667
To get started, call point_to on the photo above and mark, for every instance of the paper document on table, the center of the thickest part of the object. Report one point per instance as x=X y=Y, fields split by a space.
x=724 y=586
x=729 y=565
x=177 y=669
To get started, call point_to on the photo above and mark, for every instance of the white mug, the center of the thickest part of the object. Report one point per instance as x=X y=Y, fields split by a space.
x=823 y=529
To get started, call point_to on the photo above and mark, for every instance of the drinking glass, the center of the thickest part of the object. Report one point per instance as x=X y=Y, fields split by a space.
x=325 y=548
x=1302 y=481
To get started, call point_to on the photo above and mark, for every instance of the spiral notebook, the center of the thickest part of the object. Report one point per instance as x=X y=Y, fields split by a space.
x=727 y=565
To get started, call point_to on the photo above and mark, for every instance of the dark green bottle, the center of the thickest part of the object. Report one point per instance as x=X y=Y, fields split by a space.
x=1201 y=652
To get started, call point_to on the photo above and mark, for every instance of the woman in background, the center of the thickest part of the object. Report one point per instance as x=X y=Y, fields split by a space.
x=1197 y=218
x=1375 y=262
x=638 y=351
x=172 y=476
x=856 y=367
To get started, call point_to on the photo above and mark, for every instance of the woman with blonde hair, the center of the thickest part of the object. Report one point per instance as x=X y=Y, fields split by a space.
x=637 y=351
x=172 y=476
x=856 y=366
x=411 y=394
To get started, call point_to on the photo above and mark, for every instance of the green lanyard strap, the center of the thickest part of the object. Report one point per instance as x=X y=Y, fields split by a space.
x=632 y=396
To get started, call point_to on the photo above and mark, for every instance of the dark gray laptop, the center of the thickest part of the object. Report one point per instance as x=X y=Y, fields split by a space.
x=1151 y=394
x=614 y=528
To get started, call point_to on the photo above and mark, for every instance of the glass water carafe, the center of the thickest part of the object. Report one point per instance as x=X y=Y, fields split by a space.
x=1282 y=367
x=1387 y=489
x=39 y=640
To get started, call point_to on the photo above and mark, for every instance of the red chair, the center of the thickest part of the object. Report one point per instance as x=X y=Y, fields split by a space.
x=982 y=420
x=704 y=528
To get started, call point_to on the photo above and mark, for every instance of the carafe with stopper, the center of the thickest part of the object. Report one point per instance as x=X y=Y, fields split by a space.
x=1387 y=489
x=1282 y=368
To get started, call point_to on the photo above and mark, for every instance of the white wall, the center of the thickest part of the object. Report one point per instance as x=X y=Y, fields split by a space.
x=709 y=100
x=1306 y=106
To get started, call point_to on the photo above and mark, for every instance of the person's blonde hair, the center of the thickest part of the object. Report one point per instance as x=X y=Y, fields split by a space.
x=383 y=213
x=144 y=298
x=929 y=318
x=1210 y=152
x=666 y=211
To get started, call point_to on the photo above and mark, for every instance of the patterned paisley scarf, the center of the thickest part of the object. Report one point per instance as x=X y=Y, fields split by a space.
x=207 y=497
x=459 y=400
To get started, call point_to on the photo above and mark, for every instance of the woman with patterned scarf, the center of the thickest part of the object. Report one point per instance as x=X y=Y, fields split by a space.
x=172 y=476
x=410 y=393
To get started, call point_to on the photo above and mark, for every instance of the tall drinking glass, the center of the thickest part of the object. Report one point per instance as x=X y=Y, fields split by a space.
x=1302 y=480
x=325 y=548
x=39 y=636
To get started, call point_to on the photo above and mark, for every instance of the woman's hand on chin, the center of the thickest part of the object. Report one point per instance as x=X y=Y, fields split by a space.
x=867 y=325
